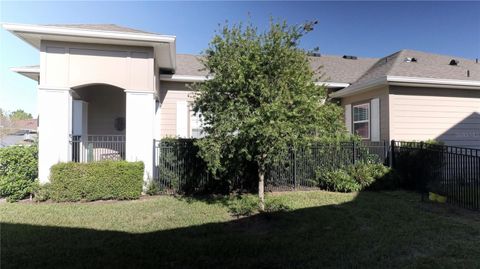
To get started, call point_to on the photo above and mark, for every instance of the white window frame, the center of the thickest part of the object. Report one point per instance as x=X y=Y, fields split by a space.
x=361 y=121
x=191 y=116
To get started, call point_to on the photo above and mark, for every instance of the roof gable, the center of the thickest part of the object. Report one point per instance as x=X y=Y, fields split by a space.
x=427 y=65
x=100 y=27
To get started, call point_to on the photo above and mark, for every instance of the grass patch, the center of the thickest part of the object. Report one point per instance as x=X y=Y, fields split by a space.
x=316 y=229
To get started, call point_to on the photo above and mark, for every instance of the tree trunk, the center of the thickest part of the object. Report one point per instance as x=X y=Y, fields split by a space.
x=261 y=187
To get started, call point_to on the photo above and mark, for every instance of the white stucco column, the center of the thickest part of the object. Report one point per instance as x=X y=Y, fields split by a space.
x=55 y=125
x=139 y=129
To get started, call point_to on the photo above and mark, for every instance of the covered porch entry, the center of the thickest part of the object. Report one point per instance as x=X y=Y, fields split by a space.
x=98 y=123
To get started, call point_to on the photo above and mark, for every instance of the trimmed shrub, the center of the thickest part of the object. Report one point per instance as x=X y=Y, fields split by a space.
x=153 y=188
x=96 y=181
x=367 y=173
x=18 y=171
x=15 y=187
x=42 y=193
x=360 y=176
x=418 y=163
x=338 y=180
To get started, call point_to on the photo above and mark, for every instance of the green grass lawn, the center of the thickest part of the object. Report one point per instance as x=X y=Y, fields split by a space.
x=321 y=229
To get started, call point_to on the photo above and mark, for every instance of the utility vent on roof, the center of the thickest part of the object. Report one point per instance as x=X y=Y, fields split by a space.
x=350 y=57
x=314 y=54
x=453 y=62
x=410 y=60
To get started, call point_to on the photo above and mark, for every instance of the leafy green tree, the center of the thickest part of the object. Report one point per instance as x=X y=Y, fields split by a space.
x=19 y=114
x=261 y=99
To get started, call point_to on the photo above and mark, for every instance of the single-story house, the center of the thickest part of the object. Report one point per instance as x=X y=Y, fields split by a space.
x=111 y=91
x=18 y=132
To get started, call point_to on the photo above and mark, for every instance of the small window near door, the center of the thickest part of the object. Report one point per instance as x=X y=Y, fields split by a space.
x=361 y=120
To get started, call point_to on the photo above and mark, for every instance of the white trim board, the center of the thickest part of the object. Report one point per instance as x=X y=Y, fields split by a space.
x=163 y=44
x=183 y=78
x=188 y=78
x=407 y=81
x=332 y=84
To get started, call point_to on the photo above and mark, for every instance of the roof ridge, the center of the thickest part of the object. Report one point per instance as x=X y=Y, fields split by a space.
x=377 y=64
x=108 y=27
x=395 y=60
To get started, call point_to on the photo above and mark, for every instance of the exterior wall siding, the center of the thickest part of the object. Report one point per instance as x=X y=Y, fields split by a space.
x=382 y=94
x=69 y=65
x=170 y=94
x=448 y=115
x=105 y=104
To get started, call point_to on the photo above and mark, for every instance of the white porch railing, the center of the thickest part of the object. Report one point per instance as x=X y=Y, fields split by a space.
x=94 y=148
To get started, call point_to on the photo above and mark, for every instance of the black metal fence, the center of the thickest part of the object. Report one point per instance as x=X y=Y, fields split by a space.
x=178 y=168
x=94 y=148
x=298 y=169
x=453 y=172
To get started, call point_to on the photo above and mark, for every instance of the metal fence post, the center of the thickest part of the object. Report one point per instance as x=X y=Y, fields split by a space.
x=294 y=169
x=354 y=151
x=392 y=154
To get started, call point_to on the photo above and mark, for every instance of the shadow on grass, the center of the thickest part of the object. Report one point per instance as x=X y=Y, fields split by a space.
x=373 y=231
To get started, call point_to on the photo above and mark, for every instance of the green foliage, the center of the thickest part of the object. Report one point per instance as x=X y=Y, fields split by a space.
x=243 y=205
x=96 y=181
x=19 y=114
x=261 y=99
x=338 y=180
x=19 y=160
x=18 y=171
x=366 y=173
x=417 y=165
x=153 y=188
x=360 y=176
x=42 y=192
x=15 y=187
x=276 y=204
x=176 y=155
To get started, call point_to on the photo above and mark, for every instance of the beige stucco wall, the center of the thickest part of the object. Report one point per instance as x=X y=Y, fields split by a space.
x=382 y=94
x=449 y=115
x=105 y=104
x=69 y=65
x=170 y=94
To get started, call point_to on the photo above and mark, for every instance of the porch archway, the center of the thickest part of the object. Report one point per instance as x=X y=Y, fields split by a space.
x=98 y=122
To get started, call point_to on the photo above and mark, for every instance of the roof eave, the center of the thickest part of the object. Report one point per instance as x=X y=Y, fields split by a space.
x=433 y=82
x=329 y=84
x=33 y=34
x=183 y=78
x=29 y=72
x=358 y=88
x=407 y=82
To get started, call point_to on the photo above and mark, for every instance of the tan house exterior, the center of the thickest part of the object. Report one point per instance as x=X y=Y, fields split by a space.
x=118 y=84
x=418 y=96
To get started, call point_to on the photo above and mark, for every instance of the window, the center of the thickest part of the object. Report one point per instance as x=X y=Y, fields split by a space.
x=361 y=120
x=196 y=130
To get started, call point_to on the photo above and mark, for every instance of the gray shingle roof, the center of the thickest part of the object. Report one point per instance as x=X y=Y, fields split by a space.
x=189 y=65
x=101 y=27
x=428 y=65
x=336 y=68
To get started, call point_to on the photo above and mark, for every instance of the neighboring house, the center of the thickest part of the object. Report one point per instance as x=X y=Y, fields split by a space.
x=412 y=95
x=107 y=92
x=18 y=132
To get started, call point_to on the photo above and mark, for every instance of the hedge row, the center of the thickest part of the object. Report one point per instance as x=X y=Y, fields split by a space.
x=95 y=181
x=18 y=171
